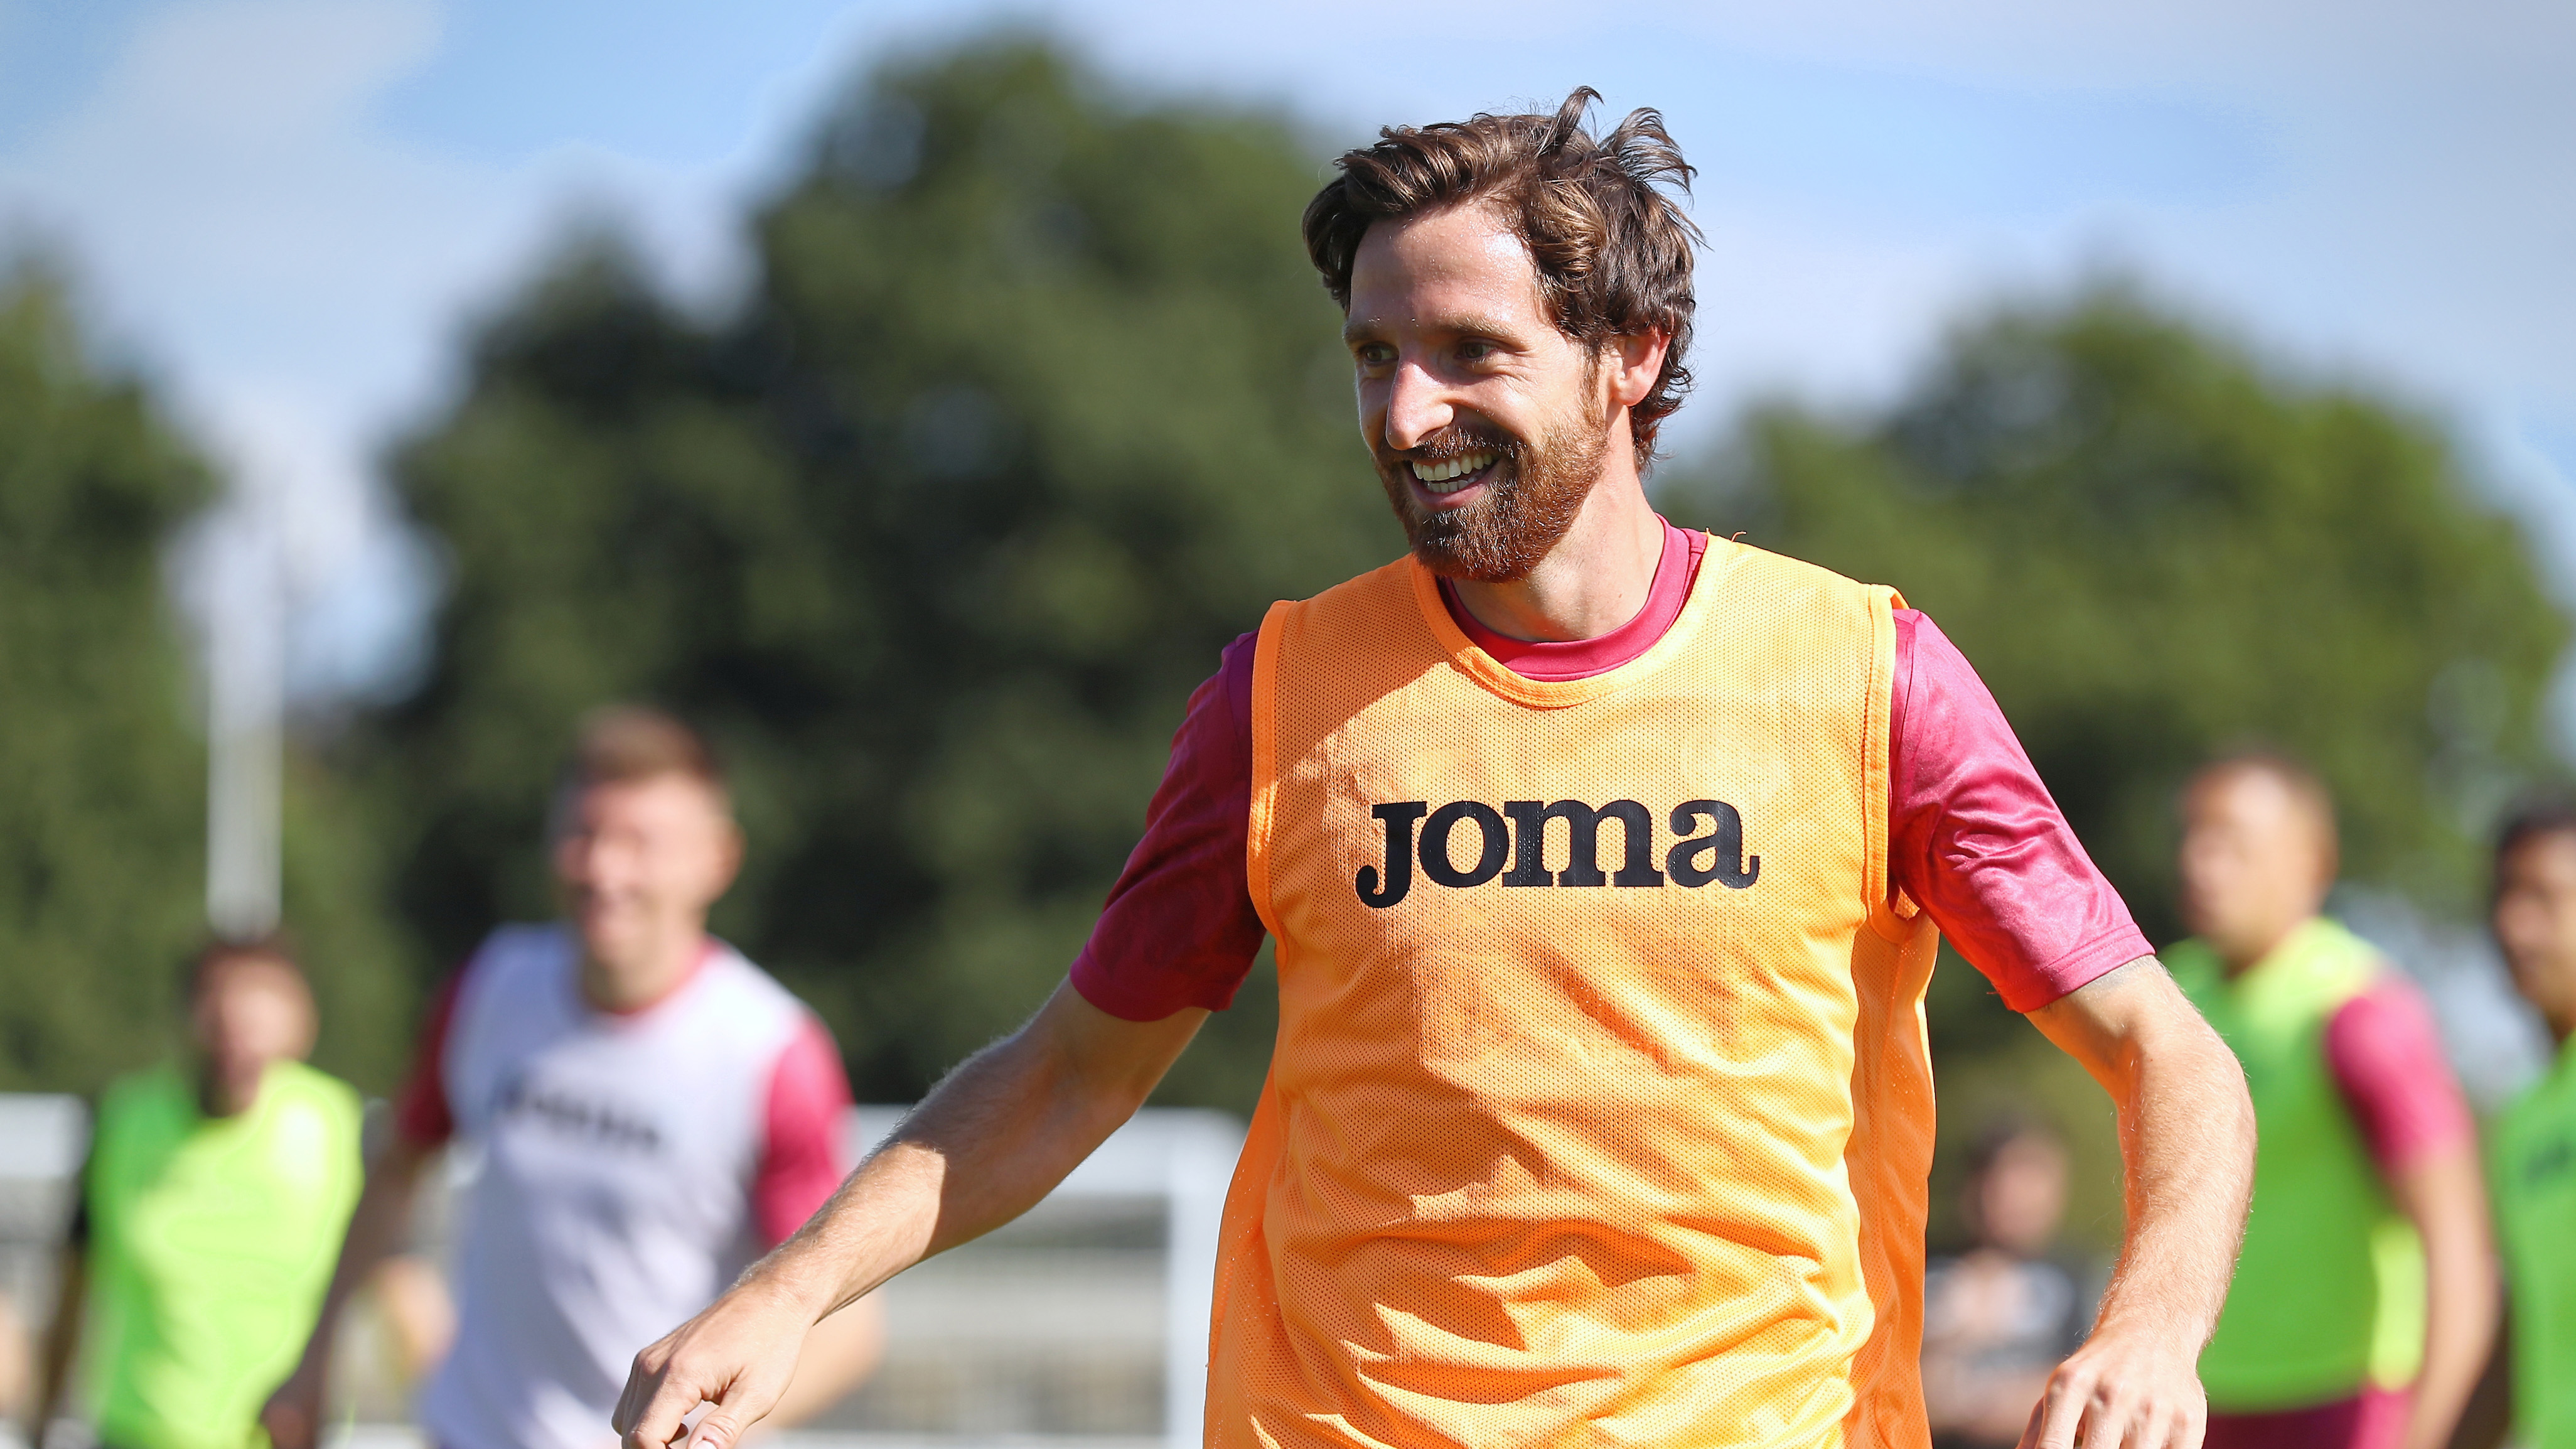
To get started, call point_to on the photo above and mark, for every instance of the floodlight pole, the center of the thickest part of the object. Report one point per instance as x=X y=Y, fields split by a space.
x=245 y=708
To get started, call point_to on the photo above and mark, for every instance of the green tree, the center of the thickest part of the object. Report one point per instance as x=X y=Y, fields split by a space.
x=101 y=785
x=2153 y=548
x=1033 y=404
x=102 y=781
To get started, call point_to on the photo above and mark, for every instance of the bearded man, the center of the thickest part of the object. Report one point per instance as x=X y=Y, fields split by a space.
x=1565 y=1141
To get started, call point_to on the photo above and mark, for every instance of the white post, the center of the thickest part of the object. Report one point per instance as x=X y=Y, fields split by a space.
x=245 y=705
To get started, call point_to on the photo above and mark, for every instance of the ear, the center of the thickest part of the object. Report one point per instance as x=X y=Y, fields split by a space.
x=731 y=863
x=1635 y=360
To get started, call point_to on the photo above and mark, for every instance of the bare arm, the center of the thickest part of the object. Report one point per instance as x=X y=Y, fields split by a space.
x=293 y=1414
x=991 y=1140
x=2187 y=1142
x=2447 y=1199
x=2488 y=1419
x=62 y=1341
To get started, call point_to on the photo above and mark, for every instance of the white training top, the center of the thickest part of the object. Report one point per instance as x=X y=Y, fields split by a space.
x=614 y=1196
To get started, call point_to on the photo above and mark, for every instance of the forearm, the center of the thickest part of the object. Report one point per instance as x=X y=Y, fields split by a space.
x=989 y=1141
x=2187 y=1141
x=376 y=1226
x=61 y=1342
x=2186 y=1145
x=2447 y=1202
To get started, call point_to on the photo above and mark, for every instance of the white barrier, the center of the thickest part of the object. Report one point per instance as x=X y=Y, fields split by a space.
x=1181 y=1158
x=1185 y=1158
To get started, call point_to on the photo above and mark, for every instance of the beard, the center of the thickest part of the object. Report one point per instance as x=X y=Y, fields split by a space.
x=1531 y=499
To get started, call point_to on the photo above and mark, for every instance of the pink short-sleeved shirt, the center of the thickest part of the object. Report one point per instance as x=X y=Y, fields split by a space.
x=1972 y=833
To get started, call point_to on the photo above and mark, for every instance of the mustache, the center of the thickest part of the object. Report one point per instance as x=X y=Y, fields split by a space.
x=1455 y=441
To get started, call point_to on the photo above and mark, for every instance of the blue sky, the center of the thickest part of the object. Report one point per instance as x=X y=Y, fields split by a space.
x=286 y=209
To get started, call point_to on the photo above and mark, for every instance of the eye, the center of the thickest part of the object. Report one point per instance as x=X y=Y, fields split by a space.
x=1476 y=349
x=1374 y=354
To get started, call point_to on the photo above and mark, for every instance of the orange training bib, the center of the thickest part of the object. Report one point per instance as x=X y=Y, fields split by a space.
x=1601 y=1112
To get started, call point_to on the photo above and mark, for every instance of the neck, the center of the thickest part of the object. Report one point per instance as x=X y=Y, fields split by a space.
x=1598 y=575
x=642 y=976
x=226 y=1094
x=2245 y=958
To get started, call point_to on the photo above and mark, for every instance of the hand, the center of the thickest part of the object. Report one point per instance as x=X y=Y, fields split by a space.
x=2122 y=1390
x=293 y=1415
x=739 y=1355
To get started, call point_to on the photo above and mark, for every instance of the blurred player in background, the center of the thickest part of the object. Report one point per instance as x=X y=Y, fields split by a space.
x=207 y=1216
x=2366 y=1293
x=2532 y=1162
x=1603 y=859
x=1999 y=1318
x=651 y=1112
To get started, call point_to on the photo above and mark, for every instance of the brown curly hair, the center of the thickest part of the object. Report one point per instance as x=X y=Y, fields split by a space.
x=1612 y=247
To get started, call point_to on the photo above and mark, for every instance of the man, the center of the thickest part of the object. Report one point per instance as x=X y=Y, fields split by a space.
x=2367 y=1264
x=650 y=1112
x=205 y=1218
x=1999 y=1317
x=2533 y=1159
x=1599 y=1110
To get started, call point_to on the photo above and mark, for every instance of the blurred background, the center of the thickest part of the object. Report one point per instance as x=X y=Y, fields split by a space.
x=918 y=395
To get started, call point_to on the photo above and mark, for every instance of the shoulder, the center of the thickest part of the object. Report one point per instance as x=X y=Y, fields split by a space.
x=520 y=949
x=512 y=962
x=2385 y=1012
x=1793 y=579
x=301 y=1082
x=746 y=1004
x=152 y=1091
x=1388 y=587
x=2191 y=964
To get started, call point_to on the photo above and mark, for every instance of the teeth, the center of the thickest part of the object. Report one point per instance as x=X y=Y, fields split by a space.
x=1432 y=475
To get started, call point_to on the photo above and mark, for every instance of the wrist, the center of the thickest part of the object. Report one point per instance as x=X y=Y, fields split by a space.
x=786 y=1284
x=2146 y=1323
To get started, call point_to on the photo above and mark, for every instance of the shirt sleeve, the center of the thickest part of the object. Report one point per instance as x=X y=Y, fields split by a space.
x=2386 y=1057
x=802 y=1158
x=422 y=1115
x=1180 y=929
x=1975 y=839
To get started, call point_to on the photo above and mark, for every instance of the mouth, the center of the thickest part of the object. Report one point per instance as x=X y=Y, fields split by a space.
x=1451 y=482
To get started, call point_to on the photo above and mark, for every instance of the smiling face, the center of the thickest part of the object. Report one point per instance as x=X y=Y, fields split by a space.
x=2257 y=860
x=638 y=863
x=1489 y=426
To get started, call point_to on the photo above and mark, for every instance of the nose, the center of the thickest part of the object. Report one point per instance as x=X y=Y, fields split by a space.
x=1417 y=406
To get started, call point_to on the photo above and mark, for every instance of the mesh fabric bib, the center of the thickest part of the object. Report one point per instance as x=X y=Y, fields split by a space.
x=1600 y=1111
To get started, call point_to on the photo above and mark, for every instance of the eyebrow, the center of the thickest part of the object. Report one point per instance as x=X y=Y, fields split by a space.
x=1481 y=324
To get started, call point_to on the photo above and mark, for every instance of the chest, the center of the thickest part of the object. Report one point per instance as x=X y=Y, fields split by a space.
x=564 y=1101
x=183 y=1192
x=2536 y=1170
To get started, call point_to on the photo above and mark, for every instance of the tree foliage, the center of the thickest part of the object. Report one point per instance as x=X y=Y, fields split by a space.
x=102 y=780
x=1031 y=402
x=101 y=834
x=2154 y=549
x=1032 y=405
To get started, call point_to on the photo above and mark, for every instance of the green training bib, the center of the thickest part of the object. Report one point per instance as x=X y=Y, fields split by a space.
x=2329 y=1295
x=2532 y=1158
x=211 y=1241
